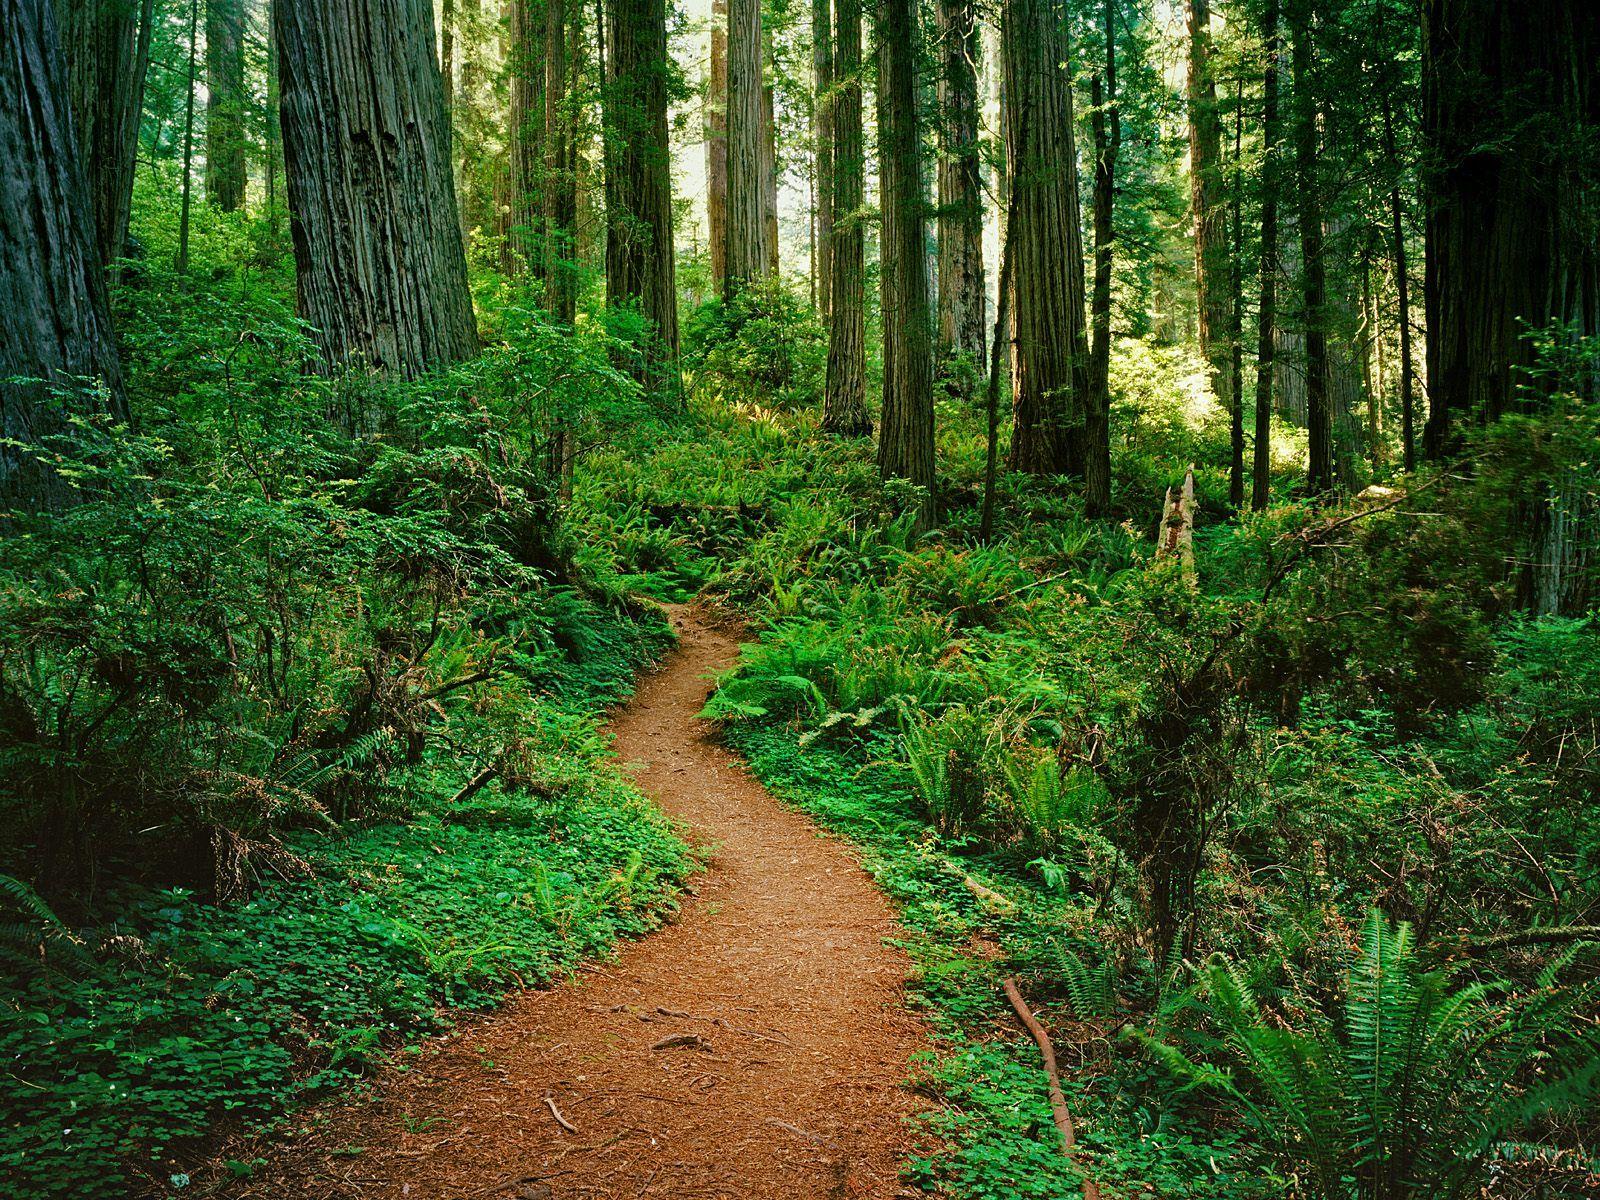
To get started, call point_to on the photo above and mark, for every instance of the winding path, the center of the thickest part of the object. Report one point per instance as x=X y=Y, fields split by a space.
x=777 y=1006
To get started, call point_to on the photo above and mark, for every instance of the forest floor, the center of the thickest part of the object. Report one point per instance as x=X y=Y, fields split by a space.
x=757 y=1047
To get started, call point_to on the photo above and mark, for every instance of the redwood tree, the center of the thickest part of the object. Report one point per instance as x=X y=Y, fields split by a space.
x=225 y=104
x=382 y=275
x=1211 y=271
x=844 y=406
x=106 y=45
x=57 y=353
x=1510 y=105
x=822 y=132
x=1106 y=126
x=905 y=439
x=1050 y=351
x=716 y=123
x=749 y=252
x=639 y=253
x=961 y=292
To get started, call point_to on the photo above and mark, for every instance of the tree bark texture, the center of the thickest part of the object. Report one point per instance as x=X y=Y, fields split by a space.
x=961 y=290
x=749 y=254
x=1510 y=93
x=560 y=184
x=525 y=224
x=55 y=329
x=769 y=174
x=822 y=130
x=639 y=252
x=844 y=405
x=377 y=246
x=1106 y=126
x=905 y=437
x=1261 y=465
x=1206 y=190
x=106 y=44
x=1050 y=351
x=1313 y=269
x=716 y=119
x=225 y=104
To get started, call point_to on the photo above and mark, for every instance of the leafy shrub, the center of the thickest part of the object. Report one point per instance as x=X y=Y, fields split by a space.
x=1409 y=1086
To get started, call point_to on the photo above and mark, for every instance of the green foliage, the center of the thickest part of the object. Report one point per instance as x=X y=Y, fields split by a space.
x=765 y=346
x=1411 y=1086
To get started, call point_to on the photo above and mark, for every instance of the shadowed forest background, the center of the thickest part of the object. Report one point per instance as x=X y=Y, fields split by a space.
x=1154 y=444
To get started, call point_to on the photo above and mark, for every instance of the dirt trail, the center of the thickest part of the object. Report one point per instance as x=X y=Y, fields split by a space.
x=777 y=964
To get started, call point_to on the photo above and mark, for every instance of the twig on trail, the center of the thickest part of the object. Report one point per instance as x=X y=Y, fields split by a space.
x=556 y=1113
x=1058 y=1101
x=691 y=1041
x=805 y=1133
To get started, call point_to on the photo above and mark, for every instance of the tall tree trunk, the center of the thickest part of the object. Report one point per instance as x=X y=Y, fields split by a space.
x=1236 y=316
x=1313 y=286
x=822 y=175
x=560 y=165
x=225 y=104
x=1266 y=330
x=55 y=330
x=1510 y=104
x=1106 y=125
x=383 y=278
x=106 y=44
x=272 y=137
x=639 y=252
x=905 y=439
x=844 y=405
x=1402 y=288
x=716 y=122
x=1050 y=352
x=466 y=114
x=525 y=232
x=769 y=175
x=749 y=252
x=1211 y=273
x=961 y=288
x=188 y=140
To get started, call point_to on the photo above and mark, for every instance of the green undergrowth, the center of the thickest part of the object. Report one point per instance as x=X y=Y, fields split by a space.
x=181 y=1017
x=992 y=1128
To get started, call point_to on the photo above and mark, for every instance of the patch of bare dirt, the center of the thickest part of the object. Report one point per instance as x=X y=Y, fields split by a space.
x=757 y=1047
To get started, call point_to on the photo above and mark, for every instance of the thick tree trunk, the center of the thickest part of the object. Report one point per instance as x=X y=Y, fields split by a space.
x=1266 y=331
x=639 y=253
x=961 y=289
x=1206 y=190
x=225 y=104
x=55 y=331
x=822 y=132
x=769 y=175
x=844 y=406
x=525 y=223
x=1050 y=352
x=749 y=254
x=1106 y=125
x=905 y=439
x=106 y=44
x=1402 y=288
x=187 y=187
x=716 y=120
x=1313 y=270
x=378 y=250
x=560 y=183
x=1510 y=95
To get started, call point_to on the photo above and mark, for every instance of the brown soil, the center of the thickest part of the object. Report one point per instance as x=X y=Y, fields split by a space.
x=757 y=1047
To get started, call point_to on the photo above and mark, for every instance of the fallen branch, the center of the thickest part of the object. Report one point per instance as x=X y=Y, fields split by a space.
x=991 y=899
x=1531 y=937
x=1058 y=1100
x=556 y=1113
x=475 y=785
